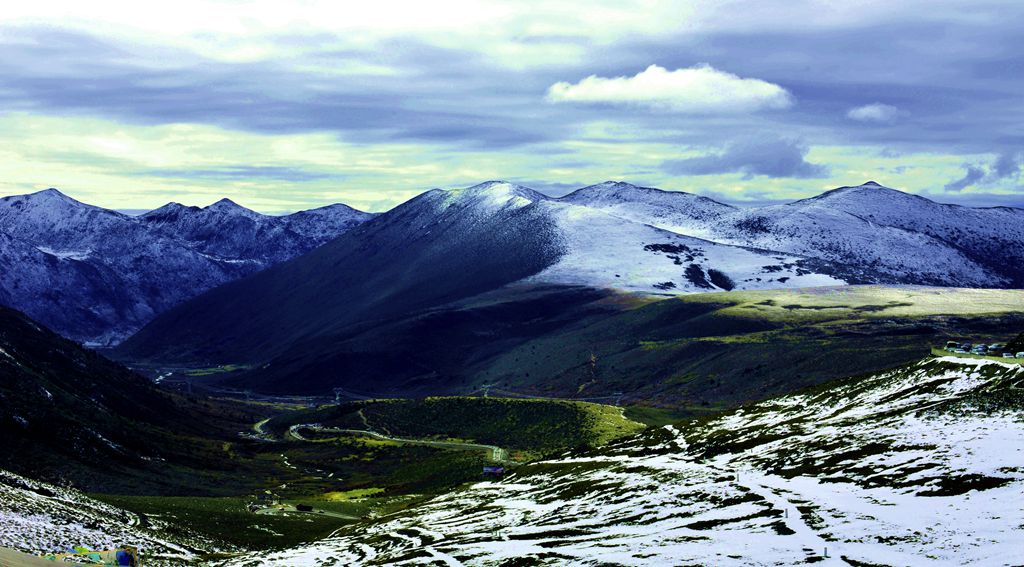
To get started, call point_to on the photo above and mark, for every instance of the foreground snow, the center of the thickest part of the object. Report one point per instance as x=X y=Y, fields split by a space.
x=923 y=465
x=38 y=518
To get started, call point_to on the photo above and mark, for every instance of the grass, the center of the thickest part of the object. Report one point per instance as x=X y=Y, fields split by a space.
x=355 y=475
x=697 y=353
x=654 y=417
x=227 y=520
x=857 y=303
x=222 y=369
x=534 y=426
x=352 y=494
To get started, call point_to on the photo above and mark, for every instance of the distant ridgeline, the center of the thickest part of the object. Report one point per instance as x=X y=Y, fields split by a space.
x=96 y=275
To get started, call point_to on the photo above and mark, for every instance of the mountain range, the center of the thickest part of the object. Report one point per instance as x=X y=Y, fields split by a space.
x=97 y=275
x=463 y=255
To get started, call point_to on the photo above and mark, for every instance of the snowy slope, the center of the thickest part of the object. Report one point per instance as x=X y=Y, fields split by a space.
x=608 y=251
x=232 y=233
x=37 y=518
x=97 y=275
x=878 y=235
x=602 y=246
x=862 y=234
x=918 y=466
x=675 y=211
x=991 y=237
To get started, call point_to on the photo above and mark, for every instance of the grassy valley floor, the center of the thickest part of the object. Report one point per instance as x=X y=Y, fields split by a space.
x=339 y=464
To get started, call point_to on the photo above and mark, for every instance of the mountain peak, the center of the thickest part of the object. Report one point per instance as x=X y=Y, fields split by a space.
x=611 y=193
x=618 y=184
x=49 y=200
x=228 y=206
x=871 y=195
x=52 y=195
x=224 y=204
x=495 y=193
x=51 y=192
x=612 y=188
x=171 y=209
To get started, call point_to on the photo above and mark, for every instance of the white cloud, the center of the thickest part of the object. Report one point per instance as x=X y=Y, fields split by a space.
x=876 y=112
x=699 y=90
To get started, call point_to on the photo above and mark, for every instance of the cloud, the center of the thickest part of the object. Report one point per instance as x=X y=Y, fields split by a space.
x=244 y=172
x=972 y=175
x=876 y=112
x=1007 y=165
x=770 y=157
x=696 y=90
x=70 y=73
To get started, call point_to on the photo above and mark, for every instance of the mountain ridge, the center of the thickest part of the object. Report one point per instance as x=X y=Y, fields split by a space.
x=584 y=240
x=97 y=275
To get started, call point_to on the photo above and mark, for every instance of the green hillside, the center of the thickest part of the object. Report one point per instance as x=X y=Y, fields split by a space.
x=534 y=426
x=69 y=415
x=698 y=353
x=693 y=354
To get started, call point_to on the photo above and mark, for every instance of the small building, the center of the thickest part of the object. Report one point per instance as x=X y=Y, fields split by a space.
x=494 y=472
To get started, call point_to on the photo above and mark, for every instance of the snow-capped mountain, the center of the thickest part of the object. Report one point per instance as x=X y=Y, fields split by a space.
x=675 y=211
x=874 y=234
x=446 y=245
x=916 y=466
x=616 y=235
x=864 y=234
x=228 y=231
x=97 y=275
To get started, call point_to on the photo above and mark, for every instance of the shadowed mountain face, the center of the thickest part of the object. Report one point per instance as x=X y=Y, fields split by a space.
x=64 y=408
x=96 y=275
x=70 y=416
x=434 y=249
x=420 y=296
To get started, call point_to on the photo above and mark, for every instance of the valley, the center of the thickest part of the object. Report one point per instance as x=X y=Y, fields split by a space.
x=908 y=466
x=193 y=478
x=622 y=374
x=512 y=284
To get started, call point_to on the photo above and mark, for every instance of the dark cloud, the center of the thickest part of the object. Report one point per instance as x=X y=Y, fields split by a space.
x=957 y=77
x=1007 y=165
x=437 y=94
x=972 y=175
x=770 y=157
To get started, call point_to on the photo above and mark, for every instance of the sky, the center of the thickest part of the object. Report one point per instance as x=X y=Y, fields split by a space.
x=283 y=106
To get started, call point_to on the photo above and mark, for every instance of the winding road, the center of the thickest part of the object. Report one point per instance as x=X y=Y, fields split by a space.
x=496 y=453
